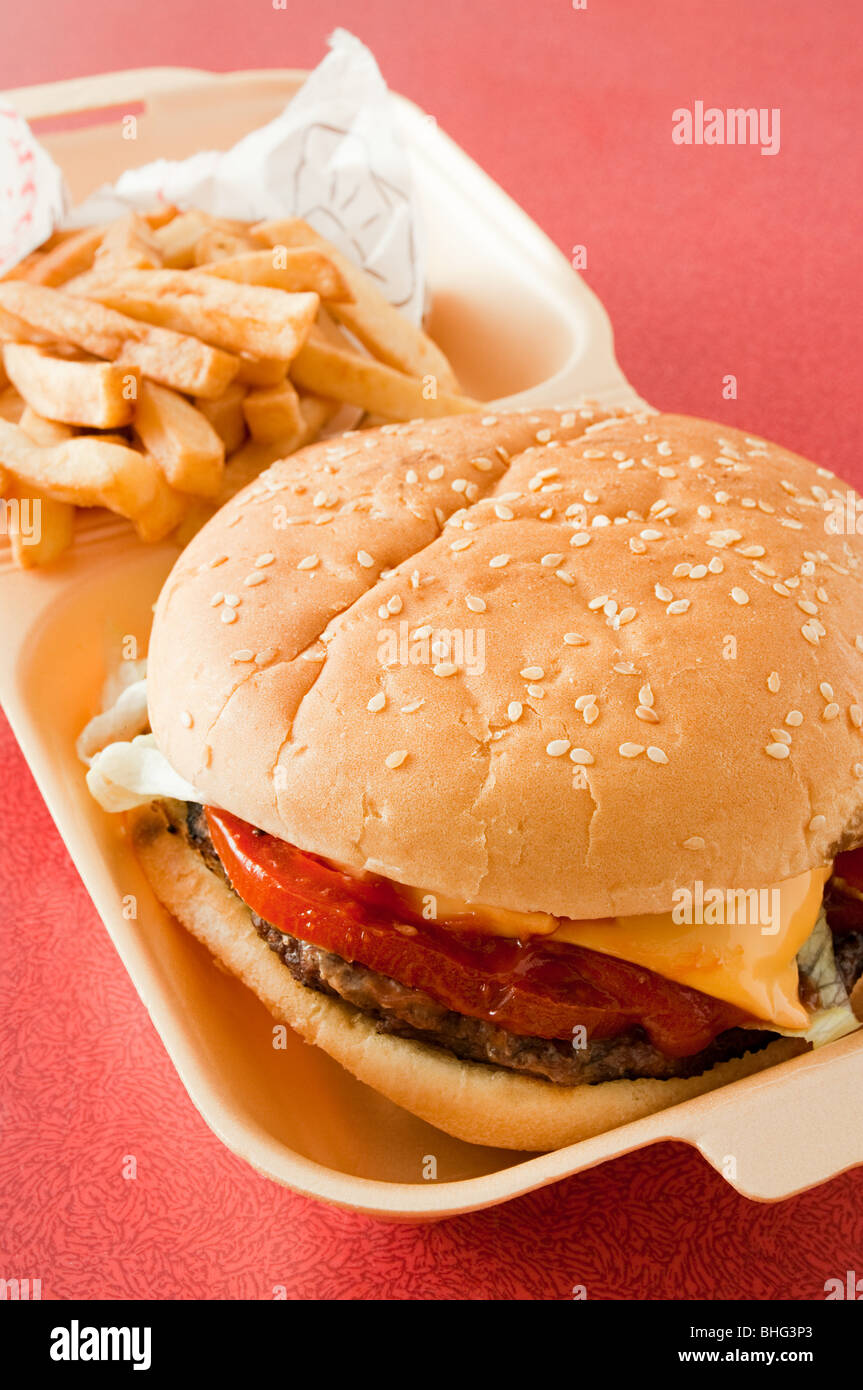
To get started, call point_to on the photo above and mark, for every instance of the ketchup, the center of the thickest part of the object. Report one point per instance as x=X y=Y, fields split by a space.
x=536 y=988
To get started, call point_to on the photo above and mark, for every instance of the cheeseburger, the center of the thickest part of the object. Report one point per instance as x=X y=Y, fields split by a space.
x=516 y=761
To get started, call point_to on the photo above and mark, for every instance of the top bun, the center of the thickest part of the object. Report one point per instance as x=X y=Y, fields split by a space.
x=655 y=671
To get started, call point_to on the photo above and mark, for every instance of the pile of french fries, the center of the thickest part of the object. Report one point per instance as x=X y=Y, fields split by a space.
x=156 y=365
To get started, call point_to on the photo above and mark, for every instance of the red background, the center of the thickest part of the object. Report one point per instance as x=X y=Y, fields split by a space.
x=710 y=261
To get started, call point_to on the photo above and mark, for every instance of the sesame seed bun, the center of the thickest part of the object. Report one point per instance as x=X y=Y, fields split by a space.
x=478 y=1103
x=672 y=659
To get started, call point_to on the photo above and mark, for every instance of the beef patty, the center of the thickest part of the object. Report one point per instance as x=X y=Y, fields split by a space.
x=409 y=1013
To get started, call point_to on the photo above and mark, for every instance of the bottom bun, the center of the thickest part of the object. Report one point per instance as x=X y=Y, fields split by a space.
x=476 y=1102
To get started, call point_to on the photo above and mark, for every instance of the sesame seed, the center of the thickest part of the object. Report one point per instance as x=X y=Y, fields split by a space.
x=217 y=599
x=412 y=707
x=656 y=755
x=532 y=673
x=503 y=513
x=581 y=756
x=830 y=711
x=626 y=616
x=411 y=476
x=680 y=605
x=436 y=473
x=543 y=436
x=514 y=711
x=794 y=717
x=476 y=605
x=263 y=560
x=626 y=668
x=574 y=639
x=645 y=696
x=462 y=544
x=590 y=714
x=716 y=565
x=694 y=842
x=377 y=702
x=777 y=750
x=498 y=561
x=826 y=690
x=698 y=572
x=365 y=559
x=599 y=602
x=630 y=750
x=308 y=562
x=739 y=595
x=810 y=634
x=817 y=822
x=855 y=714
x=773 y=682
x=482 y=465
x=579 y=538
x=647 y=714
x=396 y=758
x=489 y=420
x=651 y=535
x=636 y=546
x=252 y=580
x=244 y=654
x=229 y=615
x=186 y=719
x=565 y=577
x=662 y=593
x=557 y=748
x=218 y=560
x=445 y=668
x=781 y=735
x=552 y=560
x=232 y=600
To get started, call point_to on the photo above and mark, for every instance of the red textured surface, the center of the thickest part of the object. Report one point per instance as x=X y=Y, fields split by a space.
x=710 y=261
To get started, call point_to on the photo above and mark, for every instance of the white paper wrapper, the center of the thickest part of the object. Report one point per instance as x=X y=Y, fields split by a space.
x=334 y=157
x=33 y=197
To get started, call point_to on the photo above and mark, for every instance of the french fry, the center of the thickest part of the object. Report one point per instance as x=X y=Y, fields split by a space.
x=128 y=244
x=166 y=511
x=11 y=405
x=273 y=413
x=22 y=269
x=216 y=244
x=84 y=471
x=177 y=240
x=238 y=318
x=55 y=528
x=330 y=371
x=248 y=463
x=295 y=269
x=261 y=371
x=98 y=394
x=226 y=416
x=173 y=359
x=69 y=257
x=387 y=334
x=162 y=217
x=43 y=431
x=183 y=442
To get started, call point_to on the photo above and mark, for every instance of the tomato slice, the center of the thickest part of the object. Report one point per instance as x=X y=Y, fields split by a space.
x=536 y=988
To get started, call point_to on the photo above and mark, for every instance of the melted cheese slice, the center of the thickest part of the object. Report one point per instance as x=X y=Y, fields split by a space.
x=738 y=962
